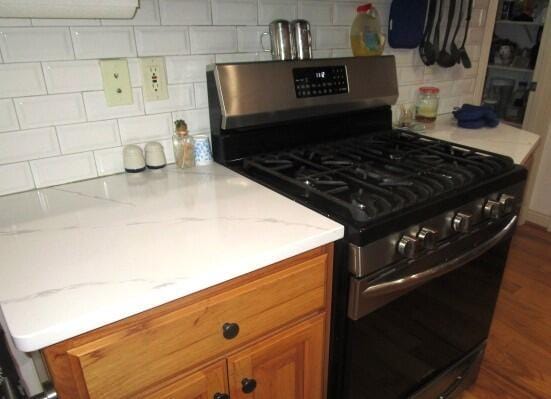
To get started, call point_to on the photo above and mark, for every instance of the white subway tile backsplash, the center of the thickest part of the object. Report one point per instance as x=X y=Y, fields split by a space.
x=327 y=37
x=317 y=13
x=321 y=53
x=28 y=144
x=185 y=12
x=147 y=14
x=35 y=44
x=213 y=40
x=411 y=74
x=197 y=119
x=166 y=40
x=15 y=178
x=64 y=22
x=276 y=9
x=201 y=97
x=109 y=161
x=235 y=57
x=103 y=42
x=59 y=109
x=180 y=97
x=248 y=38
x=72 y=76
x=15 y=22
x=344 y=13
x=145 y=128
x=21 y=80
x=8 y=117
x=97 y=108
x=343 y=52
x=173 y=29
x=235 y=12
x=88 y=136
x=63 y=169
x=188 y=69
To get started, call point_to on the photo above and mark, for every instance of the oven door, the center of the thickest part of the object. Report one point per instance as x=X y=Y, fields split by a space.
x=418 y=328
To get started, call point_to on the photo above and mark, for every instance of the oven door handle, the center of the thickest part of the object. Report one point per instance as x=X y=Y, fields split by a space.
x=413 y=280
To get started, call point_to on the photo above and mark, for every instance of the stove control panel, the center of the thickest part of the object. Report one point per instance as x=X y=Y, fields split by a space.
x=320 y=81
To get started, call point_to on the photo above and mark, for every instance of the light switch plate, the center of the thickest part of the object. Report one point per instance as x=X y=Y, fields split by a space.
x=116 y=82
x=154 y=78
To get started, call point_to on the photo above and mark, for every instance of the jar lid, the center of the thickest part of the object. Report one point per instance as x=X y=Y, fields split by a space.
x=429 y=90
x=364 y=7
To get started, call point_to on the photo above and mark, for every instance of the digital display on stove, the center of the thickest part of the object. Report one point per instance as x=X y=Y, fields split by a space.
x=320 y=81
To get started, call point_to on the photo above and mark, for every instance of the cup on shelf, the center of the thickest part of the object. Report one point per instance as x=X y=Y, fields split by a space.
x=203 y=154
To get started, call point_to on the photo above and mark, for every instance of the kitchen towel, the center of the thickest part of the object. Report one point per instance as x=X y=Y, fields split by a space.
x=406 y=23
x=475 y=117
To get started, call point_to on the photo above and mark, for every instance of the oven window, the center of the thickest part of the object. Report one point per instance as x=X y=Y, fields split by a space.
x=393 y=351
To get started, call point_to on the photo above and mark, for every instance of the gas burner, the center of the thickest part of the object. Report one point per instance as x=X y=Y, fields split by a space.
x=377 y=174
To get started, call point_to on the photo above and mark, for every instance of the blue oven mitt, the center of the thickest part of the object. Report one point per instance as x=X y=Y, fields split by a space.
x=475 y=117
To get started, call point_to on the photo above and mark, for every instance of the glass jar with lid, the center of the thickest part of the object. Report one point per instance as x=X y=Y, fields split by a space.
x=426 y=109
x=184 y=145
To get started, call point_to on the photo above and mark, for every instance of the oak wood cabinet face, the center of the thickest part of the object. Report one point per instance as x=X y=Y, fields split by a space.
x=209 y=383
x=289 y=365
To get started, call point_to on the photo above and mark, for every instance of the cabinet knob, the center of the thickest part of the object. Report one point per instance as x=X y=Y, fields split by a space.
x=219 y=395
x=230 y=330
x=248 y=385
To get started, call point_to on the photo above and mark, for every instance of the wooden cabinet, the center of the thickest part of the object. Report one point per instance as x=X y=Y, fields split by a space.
x=290 y=365
x=270 y=324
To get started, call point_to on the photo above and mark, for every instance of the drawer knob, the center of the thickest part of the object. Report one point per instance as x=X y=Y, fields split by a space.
x=248 y=385
x=219 y=395
x=230 y=330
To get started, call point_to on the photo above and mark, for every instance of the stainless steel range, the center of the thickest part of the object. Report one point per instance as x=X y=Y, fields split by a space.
x=427 y=223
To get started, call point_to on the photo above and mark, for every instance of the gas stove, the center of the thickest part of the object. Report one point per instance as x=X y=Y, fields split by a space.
x=427 y=222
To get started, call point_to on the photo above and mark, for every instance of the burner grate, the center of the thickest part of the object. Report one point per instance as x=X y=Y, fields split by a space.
x=374 y=175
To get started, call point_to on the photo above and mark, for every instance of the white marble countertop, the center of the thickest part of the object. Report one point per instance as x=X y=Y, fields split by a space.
x=83 y=255
x=504 y=139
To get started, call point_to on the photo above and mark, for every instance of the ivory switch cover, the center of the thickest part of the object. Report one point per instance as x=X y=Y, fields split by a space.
x=116 y=82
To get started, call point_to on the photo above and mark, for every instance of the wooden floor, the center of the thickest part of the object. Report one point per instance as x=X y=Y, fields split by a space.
x=518 y=357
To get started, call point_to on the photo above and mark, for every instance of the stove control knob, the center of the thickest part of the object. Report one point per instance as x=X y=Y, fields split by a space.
x=427 y=237
x=507 y=202
x=408 y=246
x=493 y=209
x=462 y=222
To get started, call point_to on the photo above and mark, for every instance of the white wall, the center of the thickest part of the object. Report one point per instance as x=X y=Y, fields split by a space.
x=56 y=128
x=541 y=196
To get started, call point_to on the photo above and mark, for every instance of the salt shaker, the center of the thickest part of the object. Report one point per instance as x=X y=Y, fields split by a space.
x=183 y=144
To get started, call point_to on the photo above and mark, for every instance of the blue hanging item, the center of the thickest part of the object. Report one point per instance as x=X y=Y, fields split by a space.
x=406 y=23
x=475 y=117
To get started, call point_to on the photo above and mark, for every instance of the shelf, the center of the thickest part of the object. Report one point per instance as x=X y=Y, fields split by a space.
x=510 y=123
x=525 y=23
x=509 y=68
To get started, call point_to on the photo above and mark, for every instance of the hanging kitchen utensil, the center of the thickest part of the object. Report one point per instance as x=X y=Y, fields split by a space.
x=436 y=39
x=426 y=49
x=406 y=22
x=464 y=56
x=445 y=59
x=456 y=54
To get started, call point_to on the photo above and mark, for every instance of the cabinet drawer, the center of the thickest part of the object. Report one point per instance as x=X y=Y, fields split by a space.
x=151 y=350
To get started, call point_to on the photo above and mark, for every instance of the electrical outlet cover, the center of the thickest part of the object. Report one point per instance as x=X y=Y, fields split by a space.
x=154 y=80
x=116 y=82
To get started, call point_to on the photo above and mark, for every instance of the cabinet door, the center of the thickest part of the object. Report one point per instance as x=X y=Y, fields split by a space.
x=208 y=383
x=288 y=365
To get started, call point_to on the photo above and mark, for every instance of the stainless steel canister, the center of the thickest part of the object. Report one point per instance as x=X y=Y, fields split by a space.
x=302 y=39
x=280 y=39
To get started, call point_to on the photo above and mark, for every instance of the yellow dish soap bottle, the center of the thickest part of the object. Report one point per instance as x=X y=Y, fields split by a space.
x=365 y=34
